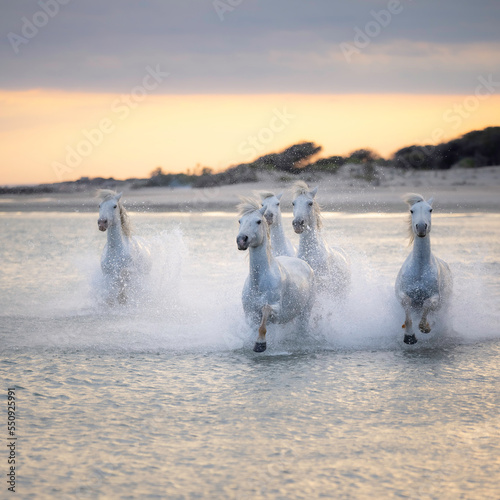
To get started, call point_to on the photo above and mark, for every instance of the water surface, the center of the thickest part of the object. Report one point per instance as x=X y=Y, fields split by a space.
x=164 y=398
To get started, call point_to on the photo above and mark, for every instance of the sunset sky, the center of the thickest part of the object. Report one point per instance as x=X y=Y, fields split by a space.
x=117 y=88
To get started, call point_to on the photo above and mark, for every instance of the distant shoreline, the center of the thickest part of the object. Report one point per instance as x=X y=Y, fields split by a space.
x=454 y=190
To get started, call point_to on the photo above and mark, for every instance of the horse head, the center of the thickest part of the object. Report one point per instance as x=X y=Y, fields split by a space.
x=305 y=210
x=253 y=225
x=109 y=212
x=271 y=203
x=420 y=215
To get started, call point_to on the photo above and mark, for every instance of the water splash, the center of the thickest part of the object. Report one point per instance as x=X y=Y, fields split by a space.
x=192 y=299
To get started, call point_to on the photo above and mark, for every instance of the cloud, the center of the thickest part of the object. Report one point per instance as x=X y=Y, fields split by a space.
x=259 y=47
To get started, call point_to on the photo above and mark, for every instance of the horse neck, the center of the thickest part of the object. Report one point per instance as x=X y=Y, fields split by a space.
x=422 y=251
x=261 y=260
x=116 y=238
x=310 y=241
x=277 y=233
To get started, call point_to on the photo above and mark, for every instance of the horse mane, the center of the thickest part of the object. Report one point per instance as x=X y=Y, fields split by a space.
x=108 y=194
x=410 y=199
x=265 y=194
x=248 y=206
x=301 y=188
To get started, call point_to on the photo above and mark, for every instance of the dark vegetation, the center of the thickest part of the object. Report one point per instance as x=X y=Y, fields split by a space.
x=475 y=149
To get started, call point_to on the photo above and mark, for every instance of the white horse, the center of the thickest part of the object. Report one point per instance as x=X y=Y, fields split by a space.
x=280 y=244
x=424 y=282
x=277 y=289
x=125 y=257
x=331 y=265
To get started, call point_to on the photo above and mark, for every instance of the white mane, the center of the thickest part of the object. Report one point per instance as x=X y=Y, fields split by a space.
x=247 y=205
x=265 y=194
x=412 y=198
x=108 y=194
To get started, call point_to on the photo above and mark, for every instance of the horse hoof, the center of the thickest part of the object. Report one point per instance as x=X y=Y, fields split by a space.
x=410 y=339
x=260 y=346
x=424 y=328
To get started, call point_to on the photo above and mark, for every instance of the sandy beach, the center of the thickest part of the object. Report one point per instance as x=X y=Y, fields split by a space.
x=454 y=190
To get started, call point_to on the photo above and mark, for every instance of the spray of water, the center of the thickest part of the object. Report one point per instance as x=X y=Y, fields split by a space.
x=191 y=301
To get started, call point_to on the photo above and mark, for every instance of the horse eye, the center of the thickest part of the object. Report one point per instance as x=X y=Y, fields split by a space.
x=239 y=221
x=430 y=210
x=259 y=222
x=411 y=211
x=293 y=203
x=310 y=203
x=114 y=206
x=278 y=204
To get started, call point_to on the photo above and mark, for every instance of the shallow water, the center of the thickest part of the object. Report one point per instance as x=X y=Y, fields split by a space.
x=164 y=398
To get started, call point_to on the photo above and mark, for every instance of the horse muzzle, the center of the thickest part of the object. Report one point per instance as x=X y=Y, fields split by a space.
x=102 y=224
x=421 y=230
x=242 y=242
x=269 y=218
x=298 y=226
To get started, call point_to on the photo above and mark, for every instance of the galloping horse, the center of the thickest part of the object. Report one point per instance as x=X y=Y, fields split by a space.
x=331 y=265
x=277 y=289
x=424 y=282
x=125 y=257
x=280 y=244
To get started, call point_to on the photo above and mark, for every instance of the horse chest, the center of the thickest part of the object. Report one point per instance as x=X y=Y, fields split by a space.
x=115 y=259
x=420 y=284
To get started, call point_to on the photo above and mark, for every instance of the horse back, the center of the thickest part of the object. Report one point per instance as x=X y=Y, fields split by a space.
x=298 y=286
x=295 y=269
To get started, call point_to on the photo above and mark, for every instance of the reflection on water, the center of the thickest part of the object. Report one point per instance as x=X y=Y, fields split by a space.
x=164 y=398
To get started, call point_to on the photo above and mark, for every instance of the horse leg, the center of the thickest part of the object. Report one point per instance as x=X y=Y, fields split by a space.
x=260 y=345
x=122 y=293
x=305 y=315
x=430 y=304
x=409 y=337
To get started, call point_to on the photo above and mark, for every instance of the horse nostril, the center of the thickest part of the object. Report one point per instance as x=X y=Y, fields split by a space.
x=245 y=238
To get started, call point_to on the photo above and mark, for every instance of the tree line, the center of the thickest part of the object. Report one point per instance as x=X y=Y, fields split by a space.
x=475 y=149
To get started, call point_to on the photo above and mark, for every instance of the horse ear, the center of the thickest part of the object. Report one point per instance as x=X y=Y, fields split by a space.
x=262 y=210
x=429 y=201
x=279 y=196
x=118 y=196
x=313 y=192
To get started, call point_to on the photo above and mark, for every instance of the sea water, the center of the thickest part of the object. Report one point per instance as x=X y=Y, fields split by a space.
x=164 y=397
